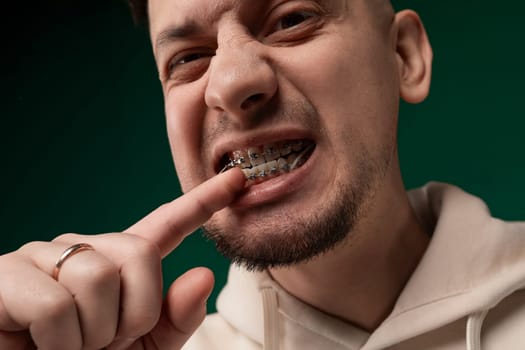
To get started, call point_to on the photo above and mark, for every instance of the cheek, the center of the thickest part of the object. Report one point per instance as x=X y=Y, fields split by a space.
x=184 y=127
x=353 y=87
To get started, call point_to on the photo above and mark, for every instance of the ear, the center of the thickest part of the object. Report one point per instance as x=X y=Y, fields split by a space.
x=414 y=56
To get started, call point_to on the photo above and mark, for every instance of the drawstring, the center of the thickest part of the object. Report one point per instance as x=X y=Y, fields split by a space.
x=271 y=319
x=474 y=323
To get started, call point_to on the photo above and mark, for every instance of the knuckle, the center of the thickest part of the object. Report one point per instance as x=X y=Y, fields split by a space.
x=55 y=304
x=66 y=237
x=6 y=261
x=204 y=206
x=31 y=246
x=12 y=265
x=144 y=249
x=99 y=272
x=165 y=216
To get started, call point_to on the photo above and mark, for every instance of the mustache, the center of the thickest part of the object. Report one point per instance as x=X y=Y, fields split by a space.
x=270 y=115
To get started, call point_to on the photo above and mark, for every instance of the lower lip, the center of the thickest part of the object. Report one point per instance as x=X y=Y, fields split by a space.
x=276 y=188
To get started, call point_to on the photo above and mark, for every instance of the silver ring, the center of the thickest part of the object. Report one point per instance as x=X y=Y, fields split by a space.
x=75 y=248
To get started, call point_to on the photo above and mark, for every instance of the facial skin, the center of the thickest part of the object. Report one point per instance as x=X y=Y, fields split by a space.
x=245 y=73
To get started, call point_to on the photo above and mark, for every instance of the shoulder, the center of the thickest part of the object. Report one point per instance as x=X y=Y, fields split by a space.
x=215 y=333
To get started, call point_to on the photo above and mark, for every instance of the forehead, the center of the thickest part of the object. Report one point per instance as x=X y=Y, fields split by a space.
x=171 y=20
x=206 y=10
x=163 y=13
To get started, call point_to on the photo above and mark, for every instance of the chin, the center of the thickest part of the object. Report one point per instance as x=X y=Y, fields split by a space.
x=273 y=237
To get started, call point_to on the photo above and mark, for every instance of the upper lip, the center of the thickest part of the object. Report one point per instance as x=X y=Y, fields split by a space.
x=230 y=143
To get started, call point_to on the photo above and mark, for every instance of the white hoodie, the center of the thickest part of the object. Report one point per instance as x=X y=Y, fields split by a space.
x=466 y=293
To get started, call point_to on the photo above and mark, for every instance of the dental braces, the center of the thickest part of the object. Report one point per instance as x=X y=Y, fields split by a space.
x=234 y=162
x=263 y=174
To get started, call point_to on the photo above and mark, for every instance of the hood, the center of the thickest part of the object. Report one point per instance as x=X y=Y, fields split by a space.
x=472 y=262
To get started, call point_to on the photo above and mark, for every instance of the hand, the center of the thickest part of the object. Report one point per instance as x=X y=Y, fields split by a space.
x=112 y=296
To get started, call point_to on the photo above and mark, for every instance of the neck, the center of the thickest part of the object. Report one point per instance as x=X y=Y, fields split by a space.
x=367 y=272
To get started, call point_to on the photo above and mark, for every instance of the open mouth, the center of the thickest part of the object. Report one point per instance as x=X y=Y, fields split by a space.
x=263 y=162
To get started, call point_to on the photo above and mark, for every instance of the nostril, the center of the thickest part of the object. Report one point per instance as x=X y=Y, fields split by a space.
x=252 y=100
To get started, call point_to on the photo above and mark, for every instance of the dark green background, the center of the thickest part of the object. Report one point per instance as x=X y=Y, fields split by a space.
x=83 y=138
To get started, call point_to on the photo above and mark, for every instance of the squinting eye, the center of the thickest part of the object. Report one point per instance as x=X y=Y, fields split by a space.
x=293 y=19
x=186 y=59
x=190 y=57
x=189 y=66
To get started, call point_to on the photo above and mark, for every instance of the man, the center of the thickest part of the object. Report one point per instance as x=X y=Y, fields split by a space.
x=334 y=254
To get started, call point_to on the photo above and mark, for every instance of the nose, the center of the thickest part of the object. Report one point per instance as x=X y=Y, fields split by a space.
x=241 y=78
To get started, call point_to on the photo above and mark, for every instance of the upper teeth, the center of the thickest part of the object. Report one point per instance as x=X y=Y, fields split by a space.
x=270 y=159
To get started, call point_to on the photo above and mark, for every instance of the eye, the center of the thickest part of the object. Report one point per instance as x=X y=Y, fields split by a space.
x=293 y=19
x=186 y=59
x=189 y=66
x=293 y=22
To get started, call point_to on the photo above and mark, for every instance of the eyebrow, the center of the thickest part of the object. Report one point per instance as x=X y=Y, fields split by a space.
x=175 y=33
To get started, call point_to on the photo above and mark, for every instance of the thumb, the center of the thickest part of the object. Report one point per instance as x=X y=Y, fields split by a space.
x=184 y=308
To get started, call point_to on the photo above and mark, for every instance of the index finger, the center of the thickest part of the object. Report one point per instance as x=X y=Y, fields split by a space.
x=167 y=225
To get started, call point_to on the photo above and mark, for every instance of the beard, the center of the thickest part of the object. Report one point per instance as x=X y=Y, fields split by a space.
x=298 y=239
x=291 y=238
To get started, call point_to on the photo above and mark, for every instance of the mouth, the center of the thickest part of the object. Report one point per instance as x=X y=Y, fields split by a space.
x=264 y=162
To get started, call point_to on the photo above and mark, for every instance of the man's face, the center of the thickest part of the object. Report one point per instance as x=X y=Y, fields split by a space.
x=275 y=80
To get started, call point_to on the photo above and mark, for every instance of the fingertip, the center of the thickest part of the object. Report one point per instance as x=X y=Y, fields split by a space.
x=187 y=297
x=237 y=179
x=202 y=277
